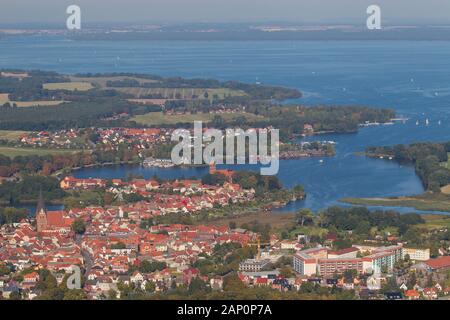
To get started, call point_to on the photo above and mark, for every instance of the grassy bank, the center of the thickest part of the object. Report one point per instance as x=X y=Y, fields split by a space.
x=424 y=202
x=11 y=134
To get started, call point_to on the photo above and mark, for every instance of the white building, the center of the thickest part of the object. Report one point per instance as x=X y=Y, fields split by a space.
x=325 y=262
x=253 y=265
x=417 y=254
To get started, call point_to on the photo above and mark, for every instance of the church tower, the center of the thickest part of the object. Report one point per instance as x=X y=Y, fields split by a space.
x=41 y=214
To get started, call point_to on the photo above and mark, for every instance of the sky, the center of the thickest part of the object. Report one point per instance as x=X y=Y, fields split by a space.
x=394 y=12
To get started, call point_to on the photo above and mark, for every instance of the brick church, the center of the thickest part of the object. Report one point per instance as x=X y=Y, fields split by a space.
x=48 y=221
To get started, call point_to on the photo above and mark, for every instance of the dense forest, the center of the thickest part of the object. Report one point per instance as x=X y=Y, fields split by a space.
x=361 y=219
x=323 y=118
x=31 y=87
x=427 y=159
x=64 y=116
x=50 y=164
x=357 y=224
x=10 y=215
x=28 y=189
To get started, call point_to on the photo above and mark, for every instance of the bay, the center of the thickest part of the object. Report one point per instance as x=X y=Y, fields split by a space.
x=411 y=77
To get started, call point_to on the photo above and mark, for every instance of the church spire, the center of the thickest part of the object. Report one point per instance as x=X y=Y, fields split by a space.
x=41 y=214
x=41 y=203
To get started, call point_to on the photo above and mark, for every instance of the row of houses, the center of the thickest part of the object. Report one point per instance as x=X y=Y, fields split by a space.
x=105 y=137
x=179 y=196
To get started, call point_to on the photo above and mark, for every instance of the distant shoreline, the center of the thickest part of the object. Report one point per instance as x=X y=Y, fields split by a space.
x=234 y=32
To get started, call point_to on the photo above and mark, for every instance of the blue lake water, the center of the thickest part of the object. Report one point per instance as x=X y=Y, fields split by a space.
x=32 y=208
x=411 y=77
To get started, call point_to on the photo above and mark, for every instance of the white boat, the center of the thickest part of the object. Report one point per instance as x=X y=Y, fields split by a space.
x=402 y=119
x=427 y=122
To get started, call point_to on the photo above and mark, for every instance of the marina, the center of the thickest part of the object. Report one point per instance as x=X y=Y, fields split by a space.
x=157 y=163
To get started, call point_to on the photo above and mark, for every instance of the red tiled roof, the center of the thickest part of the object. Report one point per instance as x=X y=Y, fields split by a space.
x=438 y=263
x=412 y=293
x=55 y=218
x=261 y=280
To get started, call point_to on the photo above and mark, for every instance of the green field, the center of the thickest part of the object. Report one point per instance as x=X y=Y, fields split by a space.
x=4 y=98
x=184 y=93
x=71 y=86
x=102 y=81
x=13 y=152
x=435 y=221
x=10 y=134
x=158 y=118
x=308 y=230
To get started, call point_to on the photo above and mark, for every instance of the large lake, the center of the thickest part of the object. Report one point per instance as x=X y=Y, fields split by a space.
x=411 y=77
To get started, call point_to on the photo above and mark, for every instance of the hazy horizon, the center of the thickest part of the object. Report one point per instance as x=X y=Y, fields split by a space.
x=398 y=12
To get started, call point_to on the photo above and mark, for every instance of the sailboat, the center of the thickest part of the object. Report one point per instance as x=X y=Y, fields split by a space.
x=439 y=122
x=427 y=122
x=417 y=122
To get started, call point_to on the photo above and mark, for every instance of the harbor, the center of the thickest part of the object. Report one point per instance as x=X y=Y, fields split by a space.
x=157 y=163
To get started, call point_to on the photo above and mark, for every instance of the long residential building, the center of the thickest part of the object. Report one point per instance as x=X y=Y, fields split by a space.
x=325 y=262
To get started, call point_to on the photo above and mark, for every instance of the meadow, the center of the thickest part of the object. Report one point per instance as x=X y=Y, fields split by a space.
x=11 y=134
x=101 y=82
x=70 y=86
x=435 y=221
x=4 y=98
x=14 y=152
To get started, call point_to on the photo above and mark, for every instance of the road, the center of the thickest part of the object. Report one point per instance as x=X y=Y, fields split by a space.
x=88 y=262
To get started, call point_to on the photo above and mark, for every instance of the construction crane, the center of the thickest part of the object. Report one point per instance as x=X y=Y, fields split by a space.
x=258 y=246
